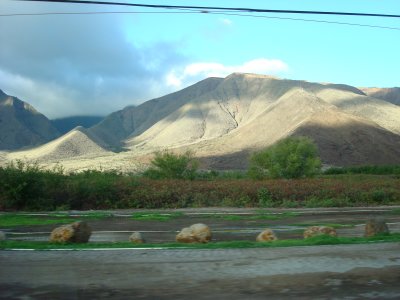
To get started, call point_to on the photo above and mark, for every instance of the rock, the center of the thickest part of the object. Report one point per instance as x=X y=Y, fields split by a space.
x=376 y=226
x=136 y=238
x=78 y=232
x=319 y=230
x=197 y=233
x=266 y=236
x=2 y=236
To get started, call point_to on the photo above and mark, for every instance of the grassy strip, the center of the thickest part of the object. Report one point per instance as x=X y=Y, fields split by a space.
x=143 y=216
x=11 y=220
x=333 y=225
x=319 y=240
x=89 y=215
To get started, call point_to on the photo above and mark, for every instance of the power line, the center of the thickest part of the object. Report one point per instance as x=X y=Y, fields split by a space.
x=212 y=8
x=94 y=13
x=187 y=11
x=311 y=20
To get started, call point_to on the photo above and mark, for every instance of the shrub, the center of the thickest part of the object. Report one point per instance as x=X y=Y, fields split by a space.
x=168 y=165
x=265 y=198
x=290 y=158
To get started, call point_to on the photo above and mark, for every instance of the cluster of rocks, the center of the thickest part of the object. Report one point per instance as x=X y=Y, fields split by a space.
x=79 y=232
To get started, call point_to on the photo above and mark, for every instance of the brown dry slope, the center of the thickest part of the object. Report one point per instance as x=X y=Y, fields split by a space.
x=246 y=112
x=391 y=95
x=21 y=125
x=77 y=143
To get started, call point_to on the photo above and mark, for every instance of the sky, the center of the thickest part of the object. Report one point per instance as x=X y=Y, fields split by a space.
x=66 y=65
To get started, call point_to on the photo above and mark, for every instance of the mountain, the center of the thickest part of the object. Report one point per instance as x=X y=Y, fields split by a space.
x=391 y=95
x=229 y=117
x=64 y=125
x=21 y=125
x=135 y=120
x=223 y=120
x=76 y=143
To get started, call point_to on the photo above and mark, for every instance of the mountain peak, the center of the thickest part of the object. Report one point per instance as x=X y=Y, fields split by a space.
x=251 y=75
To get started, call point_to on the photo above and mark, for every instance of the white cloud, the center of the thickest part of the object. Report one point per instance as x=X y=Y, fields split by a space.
x=197 y=71
x=226 y=22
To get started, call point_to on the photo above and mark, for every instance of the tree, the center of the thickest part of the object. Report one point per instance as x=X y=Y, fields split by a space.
x=293 y=157
x=166 y=164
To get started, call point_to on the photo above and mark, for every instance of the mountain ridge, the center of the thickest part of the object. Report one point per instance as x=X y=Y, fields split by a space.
x=223 y=120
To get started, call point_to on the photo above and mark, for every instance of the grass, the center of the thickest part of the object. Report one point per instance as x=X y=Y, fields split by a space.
x=395 y=211
x=318 y=240
x=89 y=215
x=156 y=216
x=333 y=225
x=11 y=220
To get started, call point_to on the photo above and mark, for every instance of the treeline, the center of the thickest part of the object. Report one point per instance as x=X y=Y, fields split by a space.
x=375 y=170
x=28 y=187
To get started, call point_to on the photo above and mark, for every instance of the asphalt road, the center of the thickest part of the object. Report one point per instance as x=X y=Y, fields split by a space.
x=322 y=272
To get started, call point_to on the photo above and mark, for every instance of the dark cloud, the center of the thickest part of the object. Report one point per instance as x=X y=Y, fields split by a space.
x=80 y=64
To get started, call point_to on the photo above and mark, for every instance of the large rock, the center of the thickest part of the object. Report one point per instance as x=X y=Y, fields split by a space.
x=375 y=227
x=319 y=230
x=266 y=236
x=197 y=233
x=78 y=232
x=136 y=238
x=2 y=236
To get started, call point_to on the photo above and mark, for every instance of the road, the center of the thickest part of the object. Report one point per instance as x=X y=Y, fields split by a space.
x=317 y=272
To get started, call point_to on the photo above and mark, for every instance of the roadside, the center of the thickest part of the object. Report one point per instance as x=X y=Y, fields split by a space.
x=323 y=272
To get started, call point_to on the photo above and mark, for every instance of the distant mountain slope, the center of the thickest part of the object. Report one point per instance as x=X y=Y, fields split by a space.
x=21 y=125
x=343 y=139
x=76 y=143
x=65 y=125
x=241 y=104
x=223 y=120
x=135 y=120
x=391 y=95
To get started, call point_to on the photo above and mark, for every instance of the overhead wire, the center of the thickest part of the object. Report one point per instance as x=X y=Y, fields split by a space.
x=210 y=8
x=201 y=10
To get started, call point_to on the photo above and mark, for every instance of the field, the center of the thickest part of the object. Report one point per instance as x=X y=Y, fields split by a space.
x=27 y=187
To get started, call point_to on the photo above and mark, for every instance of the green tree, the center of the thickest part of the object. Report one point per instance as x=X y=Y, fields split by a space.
x=293 y=157
x=166 y=164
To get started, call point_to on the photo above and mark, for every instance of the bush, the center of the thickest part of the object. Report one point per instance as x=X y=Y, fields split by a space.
x=289 y=158
x=168 y=165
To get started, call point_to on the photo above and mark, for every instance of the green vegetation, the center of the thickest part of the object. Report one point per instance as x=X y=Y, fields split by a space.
x=168 y=165
x=375 y=170
x=156 y=216
x=333 y=225
x=86 y=215
x=318 y=240
x=294 y=157
x=10 y=220
x=28 y=187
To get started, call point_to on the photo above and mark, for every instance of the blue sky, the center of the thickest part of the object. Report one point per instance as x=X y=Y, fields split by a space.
x=95 y=64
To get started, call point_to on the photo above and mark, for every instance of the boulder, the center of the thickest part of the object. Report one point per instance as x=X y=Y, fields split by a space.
x=197 y=233
x=136 y=238
x=2 y=236
x=266 y=236
x=375 y=227
x=319 y=230
x=78 y=232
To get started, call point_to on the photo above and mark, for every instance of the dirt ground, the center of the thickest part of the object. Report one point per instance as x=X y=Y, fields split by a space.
x=323 y=272
x=287 y=223
x=317 y=272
